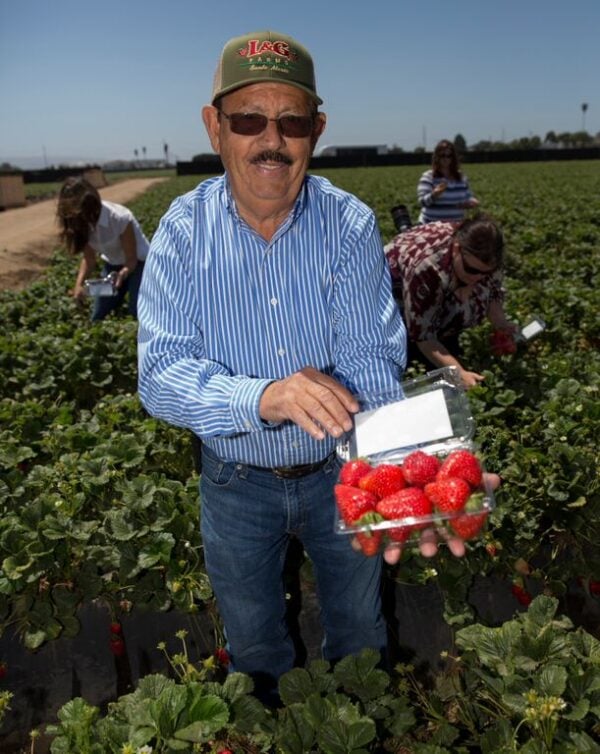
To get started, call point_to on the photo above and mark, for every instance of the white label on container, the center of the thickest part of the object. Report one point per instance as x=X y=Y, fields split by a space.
x=412 y=421
x=531 y=329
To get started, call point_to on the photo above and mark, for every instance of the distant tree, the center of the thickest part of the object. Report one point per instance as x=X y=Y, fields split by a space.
x=582 y=139
x=551 y=138
x=6 y=167
x=460 y=143
x=135 y=153
x=565 y=138
x=419 y=150
x=144 y=152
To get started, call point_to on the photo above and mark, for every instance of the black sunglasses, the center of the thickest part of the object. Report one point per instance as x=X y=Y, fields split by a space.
x=473 y=270
x=252 y=124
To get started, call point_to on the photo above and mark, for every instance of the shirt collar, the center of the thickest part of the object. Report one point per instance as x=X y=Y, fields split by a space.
x=296 y=210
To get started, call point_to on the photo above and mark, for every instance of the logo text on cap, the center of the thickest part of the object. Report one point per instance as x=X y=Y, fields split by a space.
x=256 y=47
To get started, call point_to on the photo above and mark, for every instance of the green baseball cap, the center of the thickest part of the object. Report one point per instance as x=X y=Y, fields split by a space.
x=264 y=56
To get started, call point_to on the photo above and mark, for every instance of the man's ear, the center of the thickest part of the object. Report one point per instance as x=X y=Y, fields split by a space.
x=319 y=127
x=210 y=116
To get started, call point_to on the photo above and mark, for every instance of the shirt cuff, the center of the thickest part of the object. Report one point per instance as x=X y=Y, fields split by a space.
x=244 y=405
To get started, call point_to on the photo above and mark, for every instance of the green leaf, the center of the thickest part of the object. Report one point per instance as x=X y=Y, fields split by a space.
x=551 y=680
x=295 y=734
x=578 y=711
x=208 y=715
x=236 y=686
x=248 y=714
x=157 y=551
x=340 y=738
x=295 y=686
x=34 y=639
x=359 y=675
x=120 y=526
x=584 y=744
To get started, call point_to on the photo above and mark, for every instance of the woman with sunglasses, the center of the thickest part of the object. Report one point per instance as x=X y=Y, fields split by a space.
x=447 y=277
x=443 y=191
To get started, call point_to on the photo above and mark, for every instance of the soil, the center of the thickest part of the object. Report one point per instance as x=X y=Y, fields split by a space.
x=29 y=235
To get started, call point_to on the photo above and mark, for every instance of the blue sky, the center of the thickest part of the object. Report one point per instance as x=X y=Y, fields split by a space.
x=83 y=80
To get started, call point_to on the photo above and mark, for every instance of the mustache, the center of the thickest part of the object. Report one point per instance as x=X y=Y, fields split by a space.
x=271 y=155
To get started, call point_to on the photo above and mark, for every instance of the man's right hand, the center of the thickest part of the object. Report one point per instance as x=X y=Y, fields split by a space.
x=470 y=379
x=312 y=400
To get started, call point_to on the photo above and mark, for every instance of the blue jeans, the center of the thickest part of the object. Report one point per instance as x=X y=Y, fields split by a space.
x=104 y=305
x=247 y=519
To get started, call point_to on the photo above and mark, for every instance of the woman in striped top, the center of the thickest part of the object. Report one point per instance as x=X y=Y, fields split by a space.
x=443 y=191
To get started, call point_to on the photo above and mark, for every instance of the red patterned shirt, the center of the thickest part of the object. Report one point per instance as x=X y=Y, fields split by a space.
x=424 y=283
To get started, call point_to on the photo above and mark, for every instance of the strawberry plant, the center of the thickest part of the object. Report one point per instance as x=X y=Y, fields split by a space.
x=99 y=501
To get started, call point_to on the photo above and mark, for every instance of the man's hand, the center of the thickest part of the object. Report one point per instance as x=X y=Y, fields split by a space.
x=470 y=379
x=428 y=544
x=312 y=400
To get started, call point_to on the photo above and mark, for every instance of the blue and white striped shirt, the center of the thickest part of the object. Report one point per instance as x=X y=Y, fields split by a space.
x=447 y=206
x=223 y=312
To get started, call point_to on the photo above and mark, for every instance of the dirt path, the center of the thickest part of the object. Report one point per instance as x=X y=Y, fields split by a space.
x=28 y=235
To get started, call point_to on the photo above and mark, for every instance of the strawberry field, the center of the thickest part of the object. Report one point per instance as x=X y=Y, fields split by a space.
x=99 y=505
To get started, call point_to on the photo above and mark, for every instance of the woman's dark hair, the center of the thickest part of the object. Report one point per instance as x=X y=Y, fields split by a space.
x=78 y=211
x=481 y=237
x=440 y=148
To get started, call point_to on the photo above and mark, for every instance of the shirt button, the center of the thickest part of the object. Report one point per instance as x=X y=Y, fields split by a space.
x=281 y=351
x=274 y=301
x=248 y=424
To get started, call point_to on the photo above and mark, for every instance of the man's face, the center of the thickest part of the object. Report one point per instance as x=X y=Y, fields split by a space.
x=266 y=170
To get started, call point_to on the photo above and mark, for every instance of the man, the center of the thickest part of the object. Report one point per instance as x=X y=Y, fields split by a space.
x=266 y=308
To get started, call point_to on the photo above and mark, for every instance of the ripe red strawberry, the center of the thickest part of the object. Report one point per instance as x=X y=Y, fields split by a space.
x=463 y=464
x=383 y=480
x=419 y=468
x=448 y=495
x=502 y=342
x=353 y=503
x=3 y=669
x=117 y=647
x=222 y=656
x=467 y=525
x=521 y=594
x=352 y=471
x=369 y=541
x=594 y=587
x=411 y=501
x=116 y=628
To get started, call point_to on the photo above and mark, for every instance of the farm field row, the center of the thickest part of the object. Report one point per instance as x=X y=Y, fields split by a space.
x=98 y=501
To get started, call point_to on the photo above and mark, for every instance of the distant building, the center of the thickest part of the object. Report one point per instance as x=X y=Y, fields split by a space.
x=351 y=151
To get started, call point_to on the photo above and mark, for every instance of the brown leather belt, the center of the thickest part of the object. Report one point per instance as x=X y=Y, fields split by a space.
x=293 y=472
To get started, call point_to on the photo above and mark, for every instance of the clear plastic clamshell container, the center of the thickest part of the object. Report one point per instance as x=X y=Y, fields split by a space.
x=430 y=414
x=101 y=287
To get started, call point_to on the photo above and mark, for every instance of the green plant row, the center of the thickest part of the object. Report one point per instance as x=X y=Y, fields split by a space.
x=530 y=686
x=80 y=458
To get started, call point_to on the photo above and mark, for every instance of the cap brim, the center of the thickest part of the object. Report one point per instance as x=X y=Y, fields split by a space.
x=266 y=80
